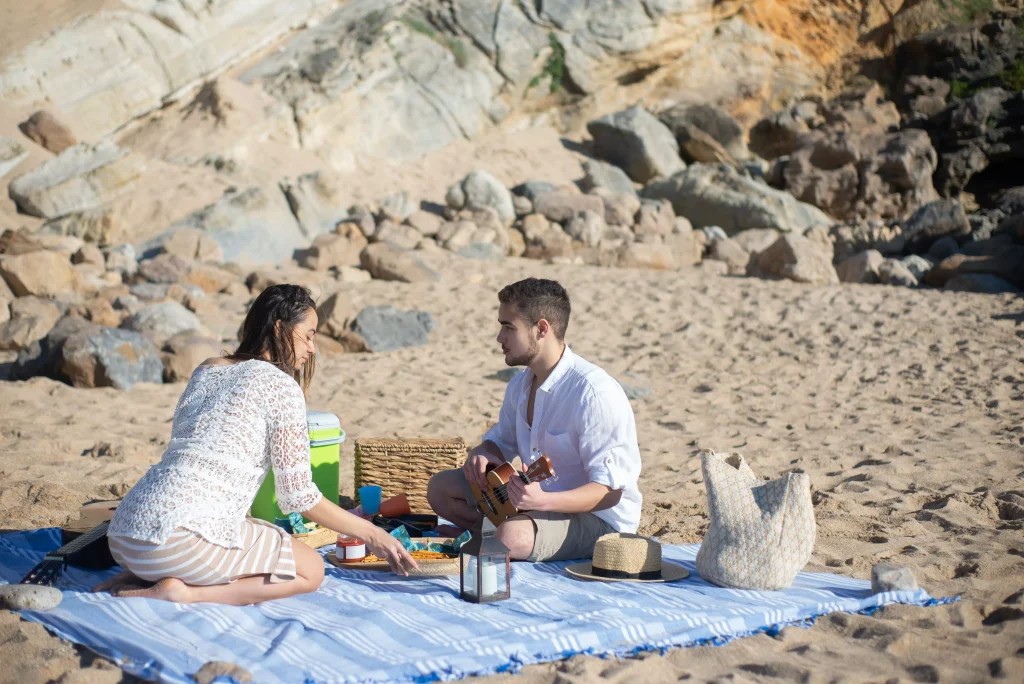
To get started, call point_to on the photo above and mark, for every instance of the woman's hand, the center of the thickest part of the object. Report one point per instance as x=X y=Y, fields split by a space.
x=383 y=545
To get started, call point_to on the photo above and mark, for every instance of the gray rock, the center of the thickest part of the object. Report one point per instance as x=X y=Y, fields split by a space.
x=712 y=233
x=121 y=259
x=110 y=357
x=714 y=121
x=893 y=272
x=385 y=328
x=859 y=236
x=482 y=251
x=633 y=393
x=984 y=283
x=149 y=292
x=484 y=190
x=917 y=265
x=163 y=320
x=892 y=577
x=599 y=174
x=636 y=141
x=943 y=248
x=798 y=258
x=254 y=225
x=531 y=190
x=562 y=207
x=29 y=597
x=219 y=669
x=731 y=253
x=755 y=240
x=317 y=204
x=861 y=268
x=717 y=195
x=79 y=178
x=397 y=206
x=12 y=153
x=588 y=227
x=42 y=357
x=387 y=262
x=935 y=220
x=164 y=269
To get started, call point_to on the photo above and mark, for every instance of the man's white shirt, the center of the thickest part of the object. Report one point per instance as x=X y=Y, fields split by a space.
x=583 y=422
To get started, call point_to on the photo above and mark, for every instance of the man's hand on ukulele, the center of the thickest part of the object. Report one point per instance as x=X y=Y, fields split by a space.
x=475 y=469
x=526 y=497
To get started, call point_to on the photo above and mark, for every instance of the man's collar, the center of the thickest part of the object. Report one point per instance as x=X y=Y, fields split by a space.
x=567 y=361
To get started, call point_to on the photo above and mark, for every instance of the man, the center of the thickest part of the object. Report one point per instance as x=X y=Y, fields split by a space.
x=566 y=408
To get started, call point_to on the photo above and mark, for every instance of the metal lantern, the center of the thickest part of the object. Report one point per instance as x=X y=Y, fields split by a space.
x=485 y=572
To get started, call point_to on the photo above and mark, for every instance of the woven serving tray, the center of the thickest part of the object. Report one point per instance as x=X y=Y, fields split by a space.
x=429 y=567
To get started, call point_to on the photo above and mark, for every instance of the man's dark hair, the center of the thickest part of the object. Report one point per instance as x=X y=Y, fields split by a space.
x=535 y=299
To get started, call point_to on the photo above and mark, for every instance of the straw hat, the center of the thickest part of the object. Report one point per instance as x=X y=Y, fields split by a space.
x=627 y=558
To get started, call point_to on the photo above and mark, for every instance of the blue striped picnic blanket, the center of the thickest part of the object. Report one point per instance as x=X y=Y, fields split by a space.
x=365 y=626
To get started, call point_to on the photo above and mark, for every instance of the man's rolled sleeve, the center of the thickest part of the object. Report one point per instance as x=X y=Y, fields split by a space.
x=606 y=434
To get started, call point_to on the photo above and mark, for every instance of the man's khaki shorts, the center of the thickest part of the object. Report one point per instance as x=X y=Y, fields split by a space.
x=558 y=536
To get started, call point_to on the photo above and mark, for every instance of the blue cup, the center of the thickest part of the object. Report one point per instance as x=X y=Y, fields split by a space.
x=369 y=499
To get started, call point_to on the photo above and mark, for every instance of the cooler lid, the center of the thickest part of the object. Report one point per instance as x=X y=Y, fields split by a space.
x=321 y=420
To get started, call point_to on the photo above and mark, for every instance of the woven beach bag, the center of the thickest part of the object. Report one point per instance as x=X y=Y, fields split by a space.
x=761 y=533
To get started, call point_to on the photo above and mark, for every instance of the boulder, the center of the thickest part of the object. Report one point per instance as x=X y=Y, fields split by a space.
x=697 y=146
x=777 y=135
x=1007 y=265
x=599 y=174
x=42 y=273
x=183 y=352
x=588 y=227
x=425 y=223
x=456 y=235
x=165 y=268
x=917 y=265
x=655 y=217
x=480 y=189
x=637 y=142
x=193 y=245
x=31 y=318
x=109 y=357
x=89 y=254
x=99 y=226
x=717 y=195
x=42 y=356
x=317 y=203
x=531 y=190
x=397 y=207
x=218 y=669
x=686 y=244
x=731 y=253
x=252 y=225
x=853 y=238
x=482 y=251
x=984 y=283
x=6 y=297
x=121 y=260
x=47 y=131
x=620 y=208
x=933 y=221
x=861 y=268
x=12 y=153
x=713 y=121
x=211 y=279
x=385 y=328
x=797 y=258
x=333 y=250
x=561 y=206
x=102 y=313
x=756 y=240
x=399 y=235
x=79 y=178
x=162 y=320
x=522 y=205
x=894 y=272
x=650 y=256
x=386 y=262
x=29 y=597
x=335 y=315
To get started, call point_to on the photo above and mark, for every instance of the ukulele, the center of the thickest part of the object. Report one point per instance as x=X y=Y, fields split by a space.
x=84 y=545
x=493 y=500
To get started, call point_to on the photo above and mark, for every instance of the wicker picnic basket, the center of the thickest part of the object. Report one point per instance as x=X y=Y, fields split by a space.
x=404 y=466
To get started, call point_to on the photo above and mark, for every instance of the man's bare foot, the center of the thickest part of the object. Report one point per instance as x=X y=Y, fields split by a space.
x=167 y=589
x=117 y=581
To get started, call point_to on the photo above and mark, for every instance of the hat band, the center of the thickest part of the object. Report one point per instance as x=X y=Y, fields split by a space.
x=619 y=574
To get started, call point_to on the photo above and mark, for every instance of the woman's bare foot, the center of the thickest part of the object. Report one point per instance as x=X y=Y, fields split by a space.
x=121 y=579
x=167 y=589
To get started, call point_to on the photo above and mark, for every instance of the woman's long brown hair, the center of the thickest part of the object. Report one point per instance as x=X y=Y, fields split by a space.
x=261 y=337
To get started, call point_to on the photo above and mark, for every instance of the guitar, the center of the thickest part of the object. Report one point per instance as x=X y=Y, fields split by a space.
x=493 y=500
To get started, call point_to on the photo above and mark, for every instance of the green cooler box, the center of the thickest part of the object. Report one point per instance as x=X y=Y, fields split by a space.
x=325 y=438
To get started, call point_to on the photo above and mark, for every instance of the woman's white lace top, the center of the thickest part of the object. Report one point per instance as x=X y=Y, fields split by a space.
x=232 y=424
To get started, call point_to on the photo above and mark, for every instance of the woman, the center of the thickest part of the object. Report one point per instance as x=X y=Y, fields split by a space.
x=181 y=533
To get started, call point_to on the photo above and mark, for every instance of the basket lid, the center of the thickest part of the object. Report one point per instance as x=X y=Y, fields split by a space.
x=321 y=420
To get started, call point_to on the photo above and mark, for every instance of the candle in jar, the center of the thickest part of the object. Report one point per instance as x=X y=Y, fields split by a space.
x=488 y=579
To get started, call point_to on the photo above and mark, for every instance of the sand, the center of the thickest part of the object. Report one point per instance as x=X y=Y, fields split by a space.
x=905 y=408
